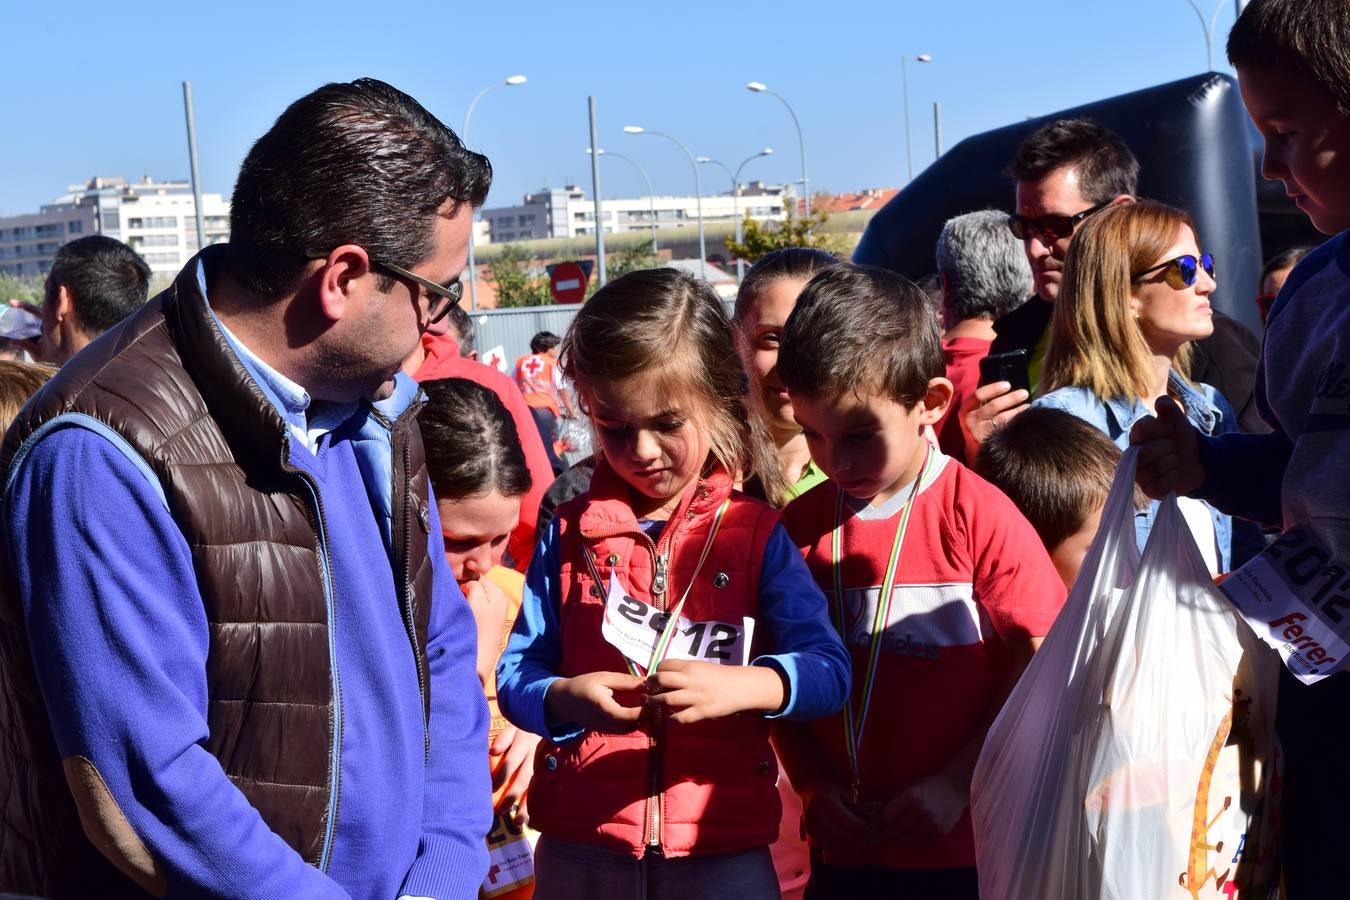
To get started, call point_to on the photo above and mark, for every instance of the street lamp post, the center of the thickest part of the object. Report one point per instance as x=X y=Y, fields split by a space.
x=473 y=214
x=698 y=185
x=736 y=197
x=1209 y=29
x=651 y=198
x=759 y=88
x=904 y=80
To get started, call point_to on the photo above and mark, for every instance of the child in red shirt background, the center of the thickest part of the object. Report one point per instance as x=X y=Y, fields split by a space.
x=968 y=593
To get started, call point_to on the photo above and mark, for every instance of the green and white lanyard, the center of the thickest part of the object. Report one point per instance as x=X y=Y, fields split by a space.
x=662 y=646
x=855 y=722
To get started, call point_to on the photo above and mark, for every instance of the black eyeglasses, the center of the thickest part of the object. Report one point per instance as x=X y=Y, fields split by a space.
x=1051 y=228
x=1181 y=272
x=443 y=296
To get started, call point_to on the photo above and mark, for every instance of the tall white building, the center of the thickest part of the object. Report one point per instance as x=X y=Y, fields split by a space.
x=566 y=212
x=157 y=219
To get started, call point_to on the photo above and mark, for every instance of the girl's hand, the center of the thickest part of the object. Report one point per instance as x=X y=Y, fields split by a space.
x=513 y=766
x=692 y=690
x=488 y=604
x=593 y=701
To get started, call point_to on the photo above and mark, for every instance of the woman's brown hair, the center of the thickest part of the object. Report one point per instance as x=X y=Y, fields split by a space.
x=1095 y=340
x=671 y=329
x=18 y=382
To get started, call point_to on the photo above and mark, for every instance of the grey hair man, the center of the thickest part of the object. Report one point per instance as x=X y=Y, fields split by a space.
x=985 y=275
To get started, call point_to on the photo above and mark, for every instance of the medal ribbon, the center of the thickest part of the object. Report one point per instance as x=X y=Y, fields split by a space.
x=854 y=723
x=662 y=646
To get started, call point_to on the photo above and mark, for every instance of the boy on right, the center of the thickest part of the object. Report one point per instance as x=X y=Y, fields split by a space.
x=937 y=584
x=1293 y=63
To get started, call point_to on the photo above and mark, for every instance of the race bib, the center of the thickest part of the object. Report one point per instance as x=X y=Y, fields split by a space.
x=1297 y=599
x=510 y=857
x=634 y=627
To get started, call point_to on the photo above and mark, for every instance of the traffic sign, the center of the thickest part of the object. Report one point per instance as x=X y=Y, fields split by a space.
x=567 y=280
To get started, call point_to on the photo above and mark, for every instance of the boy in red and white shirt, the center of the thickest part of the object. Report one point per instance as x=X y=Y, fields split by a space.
x=969 y=592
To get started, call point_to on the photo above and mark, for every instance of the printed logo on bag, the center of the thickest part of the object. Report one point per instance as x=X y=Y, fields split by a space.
x=1297 y=599
x=923 y=619
x=634 y=627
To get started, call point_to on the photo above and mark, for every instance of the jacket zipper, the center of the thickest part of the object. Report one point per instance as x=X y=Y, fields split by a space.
x=654 y=813
x=326 y=573
x=405 y=560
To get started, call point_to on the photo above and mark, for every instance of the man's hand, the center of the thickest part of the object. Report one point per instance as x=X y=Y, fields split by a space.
x=925 y=811
x=513 y=766
x=610 y=702
x=693 y=690
x=831 y=820
x=991 y=406
x=1169 y=452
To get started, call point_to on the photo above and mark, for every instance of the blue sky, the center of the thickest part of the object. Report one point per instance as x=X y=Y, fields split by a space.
x=94 y=87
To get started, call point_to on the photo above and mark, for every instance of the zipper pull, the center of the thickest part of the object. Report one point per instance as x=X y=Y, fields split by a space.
x=659 y=581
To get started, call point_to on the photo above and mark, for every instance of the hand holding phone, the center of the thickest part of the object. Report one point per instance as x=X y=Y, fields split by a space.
x=1010 y=367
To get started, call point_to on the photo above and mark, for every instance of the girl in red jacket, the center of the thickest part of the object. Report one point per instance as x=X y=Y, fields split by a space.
x=666 y=619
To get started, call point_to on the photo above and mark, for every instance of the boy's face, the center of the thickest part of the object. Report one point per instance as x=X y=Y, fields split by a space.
x=869 y=444
x=1069 y=553
x=1307 y=141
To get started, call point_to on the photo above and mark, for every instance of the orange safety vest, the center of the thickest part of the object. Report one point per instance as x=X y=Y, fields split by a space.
x=534 y=375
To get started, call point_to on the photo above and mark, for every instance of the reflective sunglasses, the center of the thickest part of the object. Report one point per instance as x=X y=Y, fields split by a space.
x=1181 y=272
x=1050 y=228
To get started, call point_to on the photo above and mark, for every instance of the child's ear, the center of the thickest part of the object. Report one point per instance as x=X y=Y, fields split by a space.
x=934 y=403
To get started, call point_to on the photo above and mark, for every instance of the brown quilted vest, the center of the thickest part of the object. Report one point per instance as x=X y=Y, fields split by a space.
x=168 y=382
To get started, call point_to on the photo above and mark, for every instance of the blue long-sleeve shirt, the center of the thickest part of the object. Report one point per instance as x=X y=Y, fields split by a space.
x=1296 y=475
x=808 y=652
x=120 y=640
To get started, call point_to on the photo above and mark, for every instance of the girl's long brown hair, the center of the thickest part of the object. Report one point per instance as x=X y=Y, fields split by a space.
x=664 y=325
x=1095 y=340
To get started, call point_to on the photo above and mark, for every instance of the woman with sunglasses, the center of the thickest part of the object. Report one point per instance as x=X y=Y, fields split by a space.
x=1136 y=292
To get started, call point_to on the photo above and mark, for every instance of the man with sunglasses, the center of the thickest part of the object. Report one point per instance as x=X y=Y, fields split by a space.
x=233 y=660
x=1064 y=173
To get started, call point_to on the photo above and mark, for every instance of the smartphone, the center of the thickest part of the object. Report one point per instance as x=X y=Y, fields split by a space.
x=1010 y=367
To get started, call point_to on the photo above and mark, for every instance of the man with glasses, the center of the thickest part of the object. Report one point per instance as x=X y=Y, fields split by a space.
x=1063 y=173
x=233 y=659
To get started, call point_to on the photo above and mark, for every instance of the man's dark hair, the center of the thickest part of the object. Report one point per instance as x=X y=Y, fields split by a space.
x=1310 y=36
x=471 y=442
x=544 y=341
x=1106 y=167
x=461 y=323
x=107 y=281
x=1056 y=469
x=359 y=162
x=861 y=329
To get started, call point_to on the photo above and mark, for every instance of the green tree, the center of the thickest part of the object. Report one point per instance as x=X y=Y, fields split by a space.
x=517 y=279
x=25 y=290
x=760 y=239
x=631 y=258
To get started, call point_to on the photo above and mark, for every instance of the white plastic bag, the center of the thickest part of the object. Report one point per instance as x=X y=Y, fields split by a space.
x=1131 y=761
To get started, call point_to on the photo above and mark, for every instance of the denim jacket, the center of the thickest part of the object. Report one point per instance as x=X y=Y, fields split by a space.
x=1205 y=407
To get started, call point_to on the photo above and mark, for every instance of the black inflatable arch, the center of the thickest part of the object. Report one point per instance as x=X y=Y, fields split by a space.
x=1192 y=138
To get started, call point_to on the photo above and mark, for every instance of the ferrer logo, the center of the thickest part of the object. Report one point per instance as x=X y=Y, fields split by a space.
x=1298 y=640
